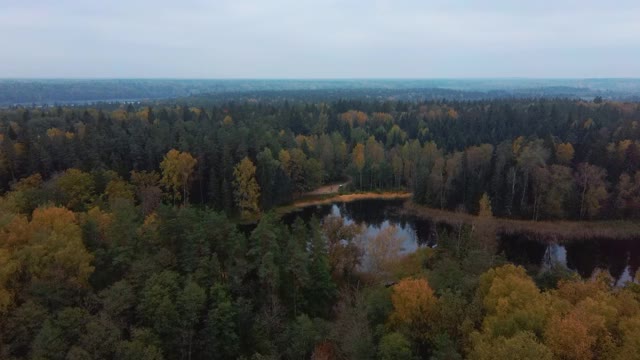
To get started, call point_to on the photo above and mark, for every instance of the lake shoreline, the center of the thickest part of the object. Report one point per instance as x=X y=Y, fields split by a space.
x=341 y=198
x=561 y=231
x=555 y=231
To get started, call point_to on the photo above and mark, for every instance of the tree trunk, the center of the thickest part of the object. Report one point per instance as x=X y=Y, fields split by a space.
x=524 y=190
x=513 y=192
x=441 y=191
x=584 y=191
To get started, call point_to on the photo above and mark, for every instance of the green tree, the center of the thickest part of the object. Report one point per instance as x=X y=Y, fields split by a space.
x=320 y=289
x=394 y=346
x=522 y=346
x=190 y=305
x=266 y=175
x=264 y=256
x=76 y=189
x=220 y=335
x=60 y=333
x=21 y=326
x=143 y=345
x=157 y=307
x=297 y=262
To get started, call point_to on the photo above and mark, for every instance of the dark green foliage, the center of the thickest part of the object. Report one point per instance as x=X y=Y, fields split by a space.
x=321 y=290
x=112 y=141
x=394 y=346
x=219 y=336
x=188 y=282
x=22 y=327
x=302 y=335
x=143 y=345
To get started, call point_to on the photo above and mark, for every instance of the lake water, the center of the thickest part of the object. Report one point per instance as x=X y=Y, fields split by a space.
x=621 y=258
x=376 y=215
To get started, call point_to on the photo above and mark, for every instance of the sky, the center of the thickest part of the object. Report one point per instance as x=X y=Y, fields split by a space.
x=319 y=39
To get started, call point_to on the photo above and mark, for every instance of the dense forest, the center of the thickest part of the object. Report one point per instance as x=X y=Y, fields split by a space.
x=535 y=159
x=147 y=231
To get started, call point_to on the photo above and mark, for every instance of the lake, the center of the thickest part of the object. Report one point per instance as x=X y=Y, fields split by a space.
x=621 y=258
x=375 y=215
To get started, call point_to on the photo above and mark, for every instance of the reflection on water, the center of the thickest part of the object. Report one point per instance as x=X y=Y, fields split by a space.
x=554 y=254
x=621 y=258
x=376 y=215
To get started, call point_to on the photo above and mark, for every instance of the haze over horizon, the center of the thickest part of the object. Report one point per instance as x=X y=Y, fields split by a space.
x=287 y=39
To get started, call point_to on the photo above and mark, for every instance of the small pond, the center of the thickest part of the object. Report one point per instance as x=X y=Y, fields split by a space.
x=376 y=215
x=620 y=257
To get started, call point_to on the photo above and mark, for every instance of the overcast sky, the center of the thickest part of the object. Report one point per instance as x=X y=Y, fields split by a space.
x=319 y=39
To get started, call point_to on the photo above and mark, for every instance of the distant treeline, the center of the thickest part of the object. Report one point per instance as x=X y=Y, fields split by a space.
x=61 y=91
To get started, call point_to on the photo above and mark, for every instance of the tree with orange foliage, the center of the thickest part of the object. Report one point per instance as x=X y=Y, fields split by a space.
x=413 y=307
x=324 y=351
x=569 y=338
x=353 y=116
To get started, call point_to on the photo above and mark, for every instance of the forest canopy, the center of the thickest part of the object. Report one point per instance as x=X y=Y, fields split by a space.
x=535 y=159
x=150 y=231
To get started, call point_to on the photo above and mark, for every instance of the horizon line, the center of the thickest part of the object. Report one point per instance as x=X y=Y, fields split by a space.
x=318 y=78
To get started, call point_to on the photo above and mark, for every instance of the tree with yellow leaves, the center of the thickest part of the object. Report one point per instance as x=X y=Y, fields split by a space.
x=512 y=302
x=358 y=159
x=247 y=190
x=47 y=250
x=485 y=206
x=413 y=306
x=591 y=182
x=177 y=168
x=564 y=153
x=75 y=189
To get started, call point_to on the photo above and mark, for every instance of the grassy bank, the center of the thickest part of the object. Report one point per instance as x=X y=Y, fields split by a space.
x=343 y=198
x=546 y=231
